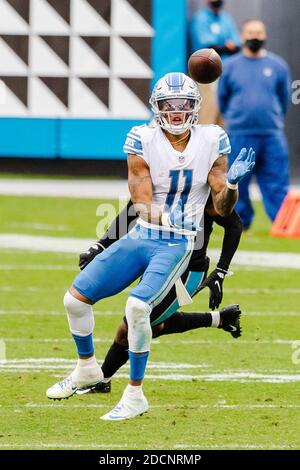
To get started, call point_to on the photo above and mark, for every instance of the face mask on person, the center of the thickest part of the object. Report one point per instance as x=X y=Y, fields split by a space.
x=255 y=44
x=217 y=4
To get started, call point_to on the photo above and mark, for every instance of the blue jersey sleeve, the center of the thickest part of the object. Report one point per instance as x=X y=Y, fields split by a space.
x=224 y=143
x=133 y=143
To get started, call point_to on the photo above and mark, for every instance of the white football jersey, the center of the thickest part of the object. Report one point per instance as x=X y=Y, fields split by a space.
x=177 y=174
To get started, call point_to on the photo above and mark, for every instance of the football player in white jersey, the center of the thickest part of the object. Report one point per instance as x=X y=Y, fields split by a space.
x=172 y=168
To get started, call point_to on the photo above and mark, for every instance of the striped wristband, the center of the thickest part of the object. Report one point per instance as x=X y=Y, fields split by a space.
x=234 y=187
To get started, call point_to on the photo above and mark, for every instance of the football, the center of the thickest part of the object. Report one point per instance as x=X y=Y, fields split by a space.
x=205 y=66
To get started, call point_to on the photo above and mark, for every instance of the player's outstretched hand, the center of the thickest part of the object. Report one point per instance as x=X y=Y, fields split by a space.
x=242 y=166
x=215 y=284
x=87 y=256
x=179 y=220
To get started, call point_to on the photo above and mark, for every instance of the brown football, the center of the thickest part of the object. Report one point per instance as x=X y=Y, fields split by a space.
x=205 y=66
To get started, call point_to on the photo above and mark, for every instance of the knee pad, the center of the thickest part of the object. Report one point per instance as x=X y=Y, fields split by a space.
x=139 y=328
x=80 y=315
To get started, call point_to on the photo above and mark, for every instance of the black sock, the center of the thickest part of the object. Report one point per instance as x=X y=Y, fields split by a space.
x=115 y=358
x=181 y=322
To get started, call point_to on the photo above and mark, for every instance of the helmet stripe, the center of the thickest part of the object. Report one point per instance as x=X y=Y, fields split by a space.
x=175 y=80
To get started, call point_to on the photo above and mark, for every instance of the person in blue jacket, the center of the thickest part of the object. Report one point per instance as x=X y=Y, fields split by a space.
x=211 y=27
x=254 y=93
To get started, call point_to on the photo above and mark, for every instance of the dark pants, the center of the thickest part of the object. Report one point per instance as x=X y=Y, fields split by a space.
x=271 y=171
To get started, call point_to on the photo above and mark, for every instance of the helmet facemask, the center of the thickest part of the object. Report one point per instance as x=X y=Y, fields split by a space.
x=175 y=102
x=176 y=115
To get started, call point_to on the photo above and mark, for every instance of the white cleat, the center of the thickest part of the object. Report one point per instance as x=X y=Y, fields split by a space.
x=128 y=407
x=64 y=389
x=81 y=377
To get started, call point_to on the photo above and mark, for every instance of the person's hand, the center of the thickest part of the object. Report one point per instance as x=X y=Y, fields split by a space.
x=179 y=220
x=242 y=166
x=87 y=256
x=215 y=284
x=230 y=45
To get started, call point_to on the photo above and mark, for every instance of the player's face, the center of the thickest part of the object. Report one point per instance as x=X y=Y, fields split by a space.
x=254 y=30
x=177 y=110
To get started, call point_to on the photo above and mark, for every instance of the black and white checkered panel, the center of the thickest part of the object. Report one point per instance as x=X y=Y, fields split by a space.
x=75 y=58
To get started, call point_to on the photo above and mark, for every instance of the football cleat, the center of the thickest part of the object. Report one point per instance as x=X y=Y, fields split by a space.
x=101 y=387
x=64 y=389
x=81 y=377
x=230 y=320
x=128 y=407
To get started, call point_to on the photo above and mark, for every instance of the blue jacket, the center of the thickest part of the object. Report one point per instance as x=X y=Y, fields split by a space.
x=254 y=93
x=209 y=29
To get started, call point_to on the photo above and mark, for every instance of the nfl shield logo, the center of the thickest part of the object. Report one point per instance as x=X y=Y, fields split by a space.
x=181 y=158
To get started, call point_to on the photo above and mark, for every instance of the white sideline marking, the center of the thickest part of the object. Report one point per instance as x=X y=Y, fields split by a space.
x=246 y=406
x=63 y=446
x=233 y=446
x=262 y=258
x=39 y=226
x=36 y=267
x=55 y=313
x=45 y=244
x=82 y=189
x=283 y=292
x=121 y=446
x=77 y=245
x=271 y=314
x=31 y=289
x=237 y=378
x=177 y=446
x=156 y=341
x=240 y=375
x=209 y=406
x=40 y=362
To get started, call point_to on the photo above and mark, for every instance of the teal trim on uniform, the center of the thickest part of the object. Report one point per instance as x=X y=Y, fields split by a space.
x=192 y=282
x=167 y=314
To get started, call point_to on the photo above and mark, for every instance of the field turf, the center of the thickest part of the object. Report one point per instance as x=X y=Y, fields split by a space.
x=205 y=389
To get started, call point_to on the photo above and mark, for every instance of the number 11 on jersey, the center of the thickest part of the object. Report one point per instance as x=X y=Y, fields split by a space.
x=175 y=175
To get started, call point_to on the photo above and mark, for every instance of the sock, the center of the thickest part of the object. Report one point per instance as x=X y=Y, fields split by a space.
x=88 y=362
x=133 y=389
x=138 y=362
x=115 y=358
x=85 y=346
x=181 y=322
x=215 y=319
x=87 y=372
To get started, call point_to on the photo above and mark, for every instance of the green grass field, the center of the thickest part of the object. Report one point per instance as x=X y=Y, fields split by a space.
x=205 y=389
